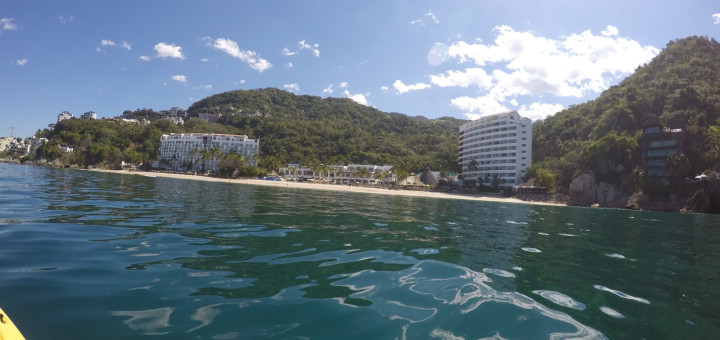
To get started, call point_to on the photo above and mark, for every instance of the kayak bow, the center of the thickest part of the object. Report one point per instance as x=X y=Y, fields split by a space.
x=8 y=331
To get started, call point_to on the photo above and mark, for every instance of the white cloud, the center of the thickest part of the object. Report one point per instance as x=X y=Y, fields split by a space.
x=21 y=62
x=610 y=31
x=203 y=87
x=164 y=50
x=432 y=17
x=106 y=42
x=142 y=57
x=181 y=78
x=249 y=57
x=401 y=87
x=384 y=88
x=417 y=21
x=303 y=46
x=204 y=60
x=358 y=98
x=539 y=110
x=329 y=89
x=64 y=20
x=295 y=88
x=126 y=45
x=289 y=65
x=471 y=76
x=313 y=48
x=7 y=24
x=523 y=64
x=716 y=18
x=343 y=85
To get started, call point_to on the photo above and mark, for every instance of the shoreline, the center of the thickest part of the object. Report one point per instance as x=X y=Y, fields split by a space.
x=331 y=187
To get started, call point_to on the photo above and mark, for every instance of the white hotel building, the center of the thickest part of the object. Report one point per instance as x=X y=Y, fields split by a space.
x=500 y=146
x=178 y=150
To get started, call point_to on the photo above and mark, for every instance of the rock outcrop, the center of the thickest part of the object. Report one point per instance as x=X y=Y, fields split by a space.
x=585 y=190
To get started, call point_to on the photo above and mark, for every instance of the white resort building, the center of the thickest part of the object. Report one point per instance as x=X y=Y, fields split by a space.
x=340 y=174
x=184 y=151
x=497 y=146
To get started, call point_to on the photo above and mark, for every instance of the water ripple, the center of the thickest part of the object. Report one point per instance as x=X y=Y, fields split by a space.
x=560 y=299
x=621 y=294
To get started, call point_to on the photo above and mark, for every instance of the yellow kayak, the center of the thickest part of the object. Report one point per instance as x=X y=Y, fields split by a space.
x=8 y=331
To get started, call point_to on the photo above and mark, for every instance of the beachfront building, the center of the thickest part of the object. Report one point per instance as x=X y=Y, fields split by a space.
x=340 y=174
x=203 y=151
x=496 y=149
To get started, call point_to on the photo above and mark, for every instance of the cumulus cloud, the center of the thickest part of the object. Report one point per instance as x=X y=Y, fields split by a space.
x=106 y=42
x=471 y=76
x=329 y=89
x=610 y=31
x=204 y=60
x=163 y=50
x=716 y=18
x=539 y=110
x=126 y=45
x=249 y=57
x=21 y=62
x=286 y=52
x=521 y=64
x=295 y=88
x=181 y=78
x=289 y=65
x=7 y=24
x=358 y=98
x=401 y=87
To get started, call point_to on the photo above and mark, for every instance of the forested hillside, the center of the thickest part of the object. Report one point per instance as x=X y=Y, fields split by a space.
x=295 y=128
x=680 y=88
x=291 y=128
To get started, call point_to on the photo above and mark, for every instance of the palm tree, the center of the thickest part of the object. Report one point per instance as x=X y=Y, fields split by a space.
x=378 y=175
x=362 y=172
x=473 y=166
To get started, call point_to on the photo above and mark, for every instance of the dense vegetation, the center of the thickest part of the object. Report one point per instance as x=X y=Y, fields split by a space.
x=292 y=129
x=311 y=129
x=680 y=88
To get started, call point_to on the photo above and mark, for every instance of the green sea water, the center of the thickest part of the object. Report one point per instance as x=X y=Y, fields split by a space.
x=87 y=255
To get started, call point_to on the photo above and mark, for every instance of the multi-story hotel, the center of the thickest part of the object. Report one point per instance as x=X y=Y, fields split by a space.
x=184 y=151
x=497 y=146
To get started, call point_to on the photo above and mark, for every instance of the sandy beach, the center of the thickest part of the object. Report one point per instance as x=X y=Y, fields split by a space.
x=329 y=187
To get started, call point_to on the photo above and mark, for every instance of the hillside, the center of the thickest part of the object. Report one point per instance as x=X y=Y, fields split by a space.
x=679 y=88
x=292 y=129
x=302 y=128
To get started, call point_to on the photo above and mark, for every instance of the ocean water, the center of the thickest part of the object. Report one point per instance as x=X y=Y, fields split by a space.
x=87 y=255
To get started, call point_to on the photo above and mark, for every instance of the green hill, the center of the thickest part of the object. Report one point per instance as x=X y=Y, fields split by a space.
x=679 y=88
x=306 y=129
x=292 y=129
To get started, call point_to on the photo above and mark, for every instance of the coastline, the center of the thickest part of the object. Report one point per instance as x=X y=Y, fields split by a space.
x=332 y=187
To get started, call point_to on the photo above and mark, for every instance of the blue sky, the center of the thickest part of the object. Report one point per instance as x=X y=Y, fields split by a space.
x=462 y=59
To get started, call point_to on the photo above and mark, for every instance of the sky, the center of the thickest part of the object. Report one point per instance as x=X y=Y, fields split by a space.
x=463 y=59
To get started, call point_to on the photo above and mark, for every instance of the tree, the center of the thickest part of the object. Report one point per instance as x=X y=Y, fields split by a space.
x=362 y=172
x=676 y=168
x=546 y=178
